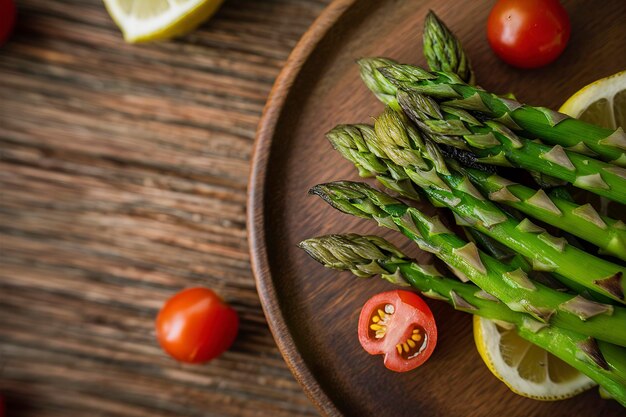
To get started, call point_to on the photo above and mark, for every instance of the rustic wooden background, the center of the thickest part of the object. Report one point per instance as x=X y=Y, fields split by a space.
x=123 y=179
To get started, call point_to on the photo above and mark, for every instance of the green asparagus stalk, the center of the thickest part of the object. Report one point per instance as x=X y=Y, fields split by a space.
x=504 y=254
x=397 y=142
x=376 y=82
x=511 y=286
x=495 y=143
x=455 y=191
x=552 y=127
x=580 y=220
x=583 y=172
x=366 y=256
x=385 y=92
x=443 y=51
x=350 y=141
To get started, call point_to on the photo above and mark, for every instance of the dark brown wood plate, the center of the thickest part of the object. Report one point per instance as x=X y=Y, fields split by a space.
x=313 y=311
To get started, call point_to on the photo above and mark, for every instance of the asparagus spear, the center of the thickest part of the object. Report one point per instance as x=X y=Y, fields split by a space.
x=552 y=127
x=366 y=256
x=496 y=144
x=504 y=254
x=350 y=141
x=587 y=173
x=394 y=141
x=443 y=51
x=377 y=83
x=512 y=286
x=382 y=88
x=580 y=220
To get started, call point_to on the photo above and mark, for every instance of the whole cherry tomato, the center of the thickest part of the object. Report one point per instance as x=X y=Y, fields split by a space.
x=399 y=325
x=7 y=19
x=528 y=33
x=196 y=326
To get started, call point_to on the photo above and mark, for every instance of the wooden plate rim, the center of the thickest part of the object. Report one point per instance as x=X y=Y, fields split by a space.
x=255 y=218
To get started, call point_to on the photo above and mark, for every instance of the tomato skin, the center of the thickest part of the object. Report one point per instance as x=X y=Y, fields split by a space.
x=195 y=325
x=7 y=19
x=410 y=311
x=528 y=33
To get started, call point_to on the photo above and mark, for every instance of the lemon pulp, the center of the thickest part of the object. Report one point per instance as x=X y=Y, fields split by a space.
x=602 y=102
x=526 y=369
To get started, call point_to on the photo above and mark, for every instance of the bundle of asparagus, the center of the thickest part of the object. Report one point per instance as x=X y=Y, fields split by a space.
x=396 y=141
x=603 y=362
x=427 y=110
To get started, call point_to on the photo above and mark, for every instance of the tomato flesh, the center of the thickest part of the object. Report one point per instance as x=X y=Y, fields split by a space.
x=528 y=33
x=196 y=326
x=399 y=325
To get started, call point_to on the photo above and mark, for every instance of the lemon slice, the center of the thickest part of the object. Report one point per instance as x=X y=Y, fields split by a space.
x=602 y=102
x=525 y=368
x=149 y=20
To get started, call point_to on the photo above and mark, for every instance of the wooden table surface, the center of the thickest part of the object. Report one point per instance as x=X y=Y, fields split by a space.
x=123 y=180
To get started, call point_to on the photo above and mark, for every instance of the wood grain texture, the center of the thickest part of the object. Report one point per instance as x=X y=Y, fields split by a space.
x=123 y=174
x=312 y=311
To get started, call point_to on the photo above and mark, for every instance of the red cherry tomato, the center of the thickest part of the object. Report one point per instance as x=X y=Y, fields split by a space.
x=196 y=326
x=400 y=326
x=7 y=19
x=528 y=33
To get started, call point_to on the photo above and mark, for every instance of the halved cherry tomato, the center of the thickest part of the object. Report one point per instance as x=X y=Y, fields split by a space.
x=7 y=19
x=399 y=325
x=528 y=33
x=196 y=326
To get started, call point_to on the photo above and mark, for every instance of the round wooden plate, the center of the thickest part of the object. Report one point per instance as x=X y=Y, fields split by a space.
x=313 y=311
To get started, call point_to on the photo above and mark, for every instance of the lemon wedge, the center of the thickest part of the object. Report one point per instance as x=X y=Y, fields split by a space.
x=149 y=20
x=526 y=369
x=602 y=102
